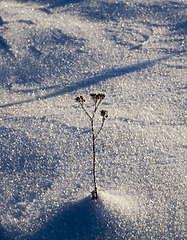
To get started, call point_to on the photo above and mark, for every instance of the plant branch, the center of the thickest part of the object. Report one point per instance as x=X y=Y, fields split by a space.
x=96 y=107
x=100 y=128
x=85 y=110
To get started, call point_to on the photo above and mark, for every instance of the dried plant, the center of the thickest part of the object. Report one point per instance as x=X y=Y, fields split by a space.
x=97 y=98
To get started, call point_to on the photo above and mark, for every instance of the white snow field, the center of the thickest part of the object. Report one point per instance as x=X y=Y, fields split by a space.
x=133 y=51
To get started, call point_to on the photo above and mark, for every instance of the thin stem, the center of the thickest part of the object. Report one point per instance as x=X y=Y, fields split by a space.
x=96 y=106
x=85 y=110
x=100 y=128
x=95 y=191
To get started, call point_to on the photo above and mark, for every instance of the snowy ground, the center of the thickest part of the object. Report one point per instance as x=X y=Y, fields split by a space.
x=133 y=51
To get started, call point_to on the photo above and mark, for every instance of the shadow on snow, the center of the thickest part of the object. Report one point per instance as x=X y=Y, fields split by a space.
x=54 y=3
x=92 y=80
x=81 y=220
x=87 y=219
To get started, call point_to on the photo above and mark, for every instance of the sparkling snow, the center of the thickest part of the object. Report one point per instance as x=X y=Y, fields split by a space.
x=53 y=51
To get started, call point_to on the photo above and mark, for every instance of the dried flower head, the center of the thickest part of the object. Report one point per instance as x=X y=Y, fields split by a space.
x=101 y=96
x=80 y=99
x=96 y=97
x=93 y=95
x=104 y=113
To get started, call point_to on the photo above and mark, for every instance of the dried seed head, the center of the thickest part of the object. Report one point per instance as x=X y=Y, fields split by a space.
x=104 y=113
x=93 y=95
x=96 y=97
x=80 y=99
x=101 y=96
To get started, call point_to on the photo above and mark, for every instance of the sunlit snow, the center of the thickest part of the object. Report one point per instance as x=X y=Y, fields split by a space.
x=54 y=51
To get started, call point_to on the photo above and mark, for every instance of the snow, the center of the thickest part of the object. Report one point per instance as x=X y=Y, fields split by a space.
x=54 y=51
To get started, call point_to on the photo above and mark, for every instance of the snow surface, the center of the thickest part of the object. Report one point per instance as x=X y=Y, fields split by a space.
x=54 y=51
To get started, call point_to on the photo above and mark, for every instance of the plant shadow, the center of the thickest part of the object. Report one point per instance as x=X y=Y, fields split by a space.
x=104 y=76
x=80 y=220
x=87 y=219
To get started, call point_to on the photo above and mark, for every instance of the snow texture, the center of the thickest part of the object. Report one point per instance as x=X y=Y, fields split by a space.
x=54 y=51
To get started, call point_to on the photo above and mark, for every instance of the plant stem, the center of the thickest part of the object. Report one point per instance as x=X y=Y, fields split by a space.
x=100 y=128
x=95 y=191
x=96 y=106
x=85 y=111
x=105 y=115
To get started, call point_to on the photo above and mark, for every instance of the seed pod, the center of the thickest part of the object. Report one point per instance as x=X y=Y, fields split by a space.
x=80 y=99
x=104 y=113
x=94 y=97
x=101 y=96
